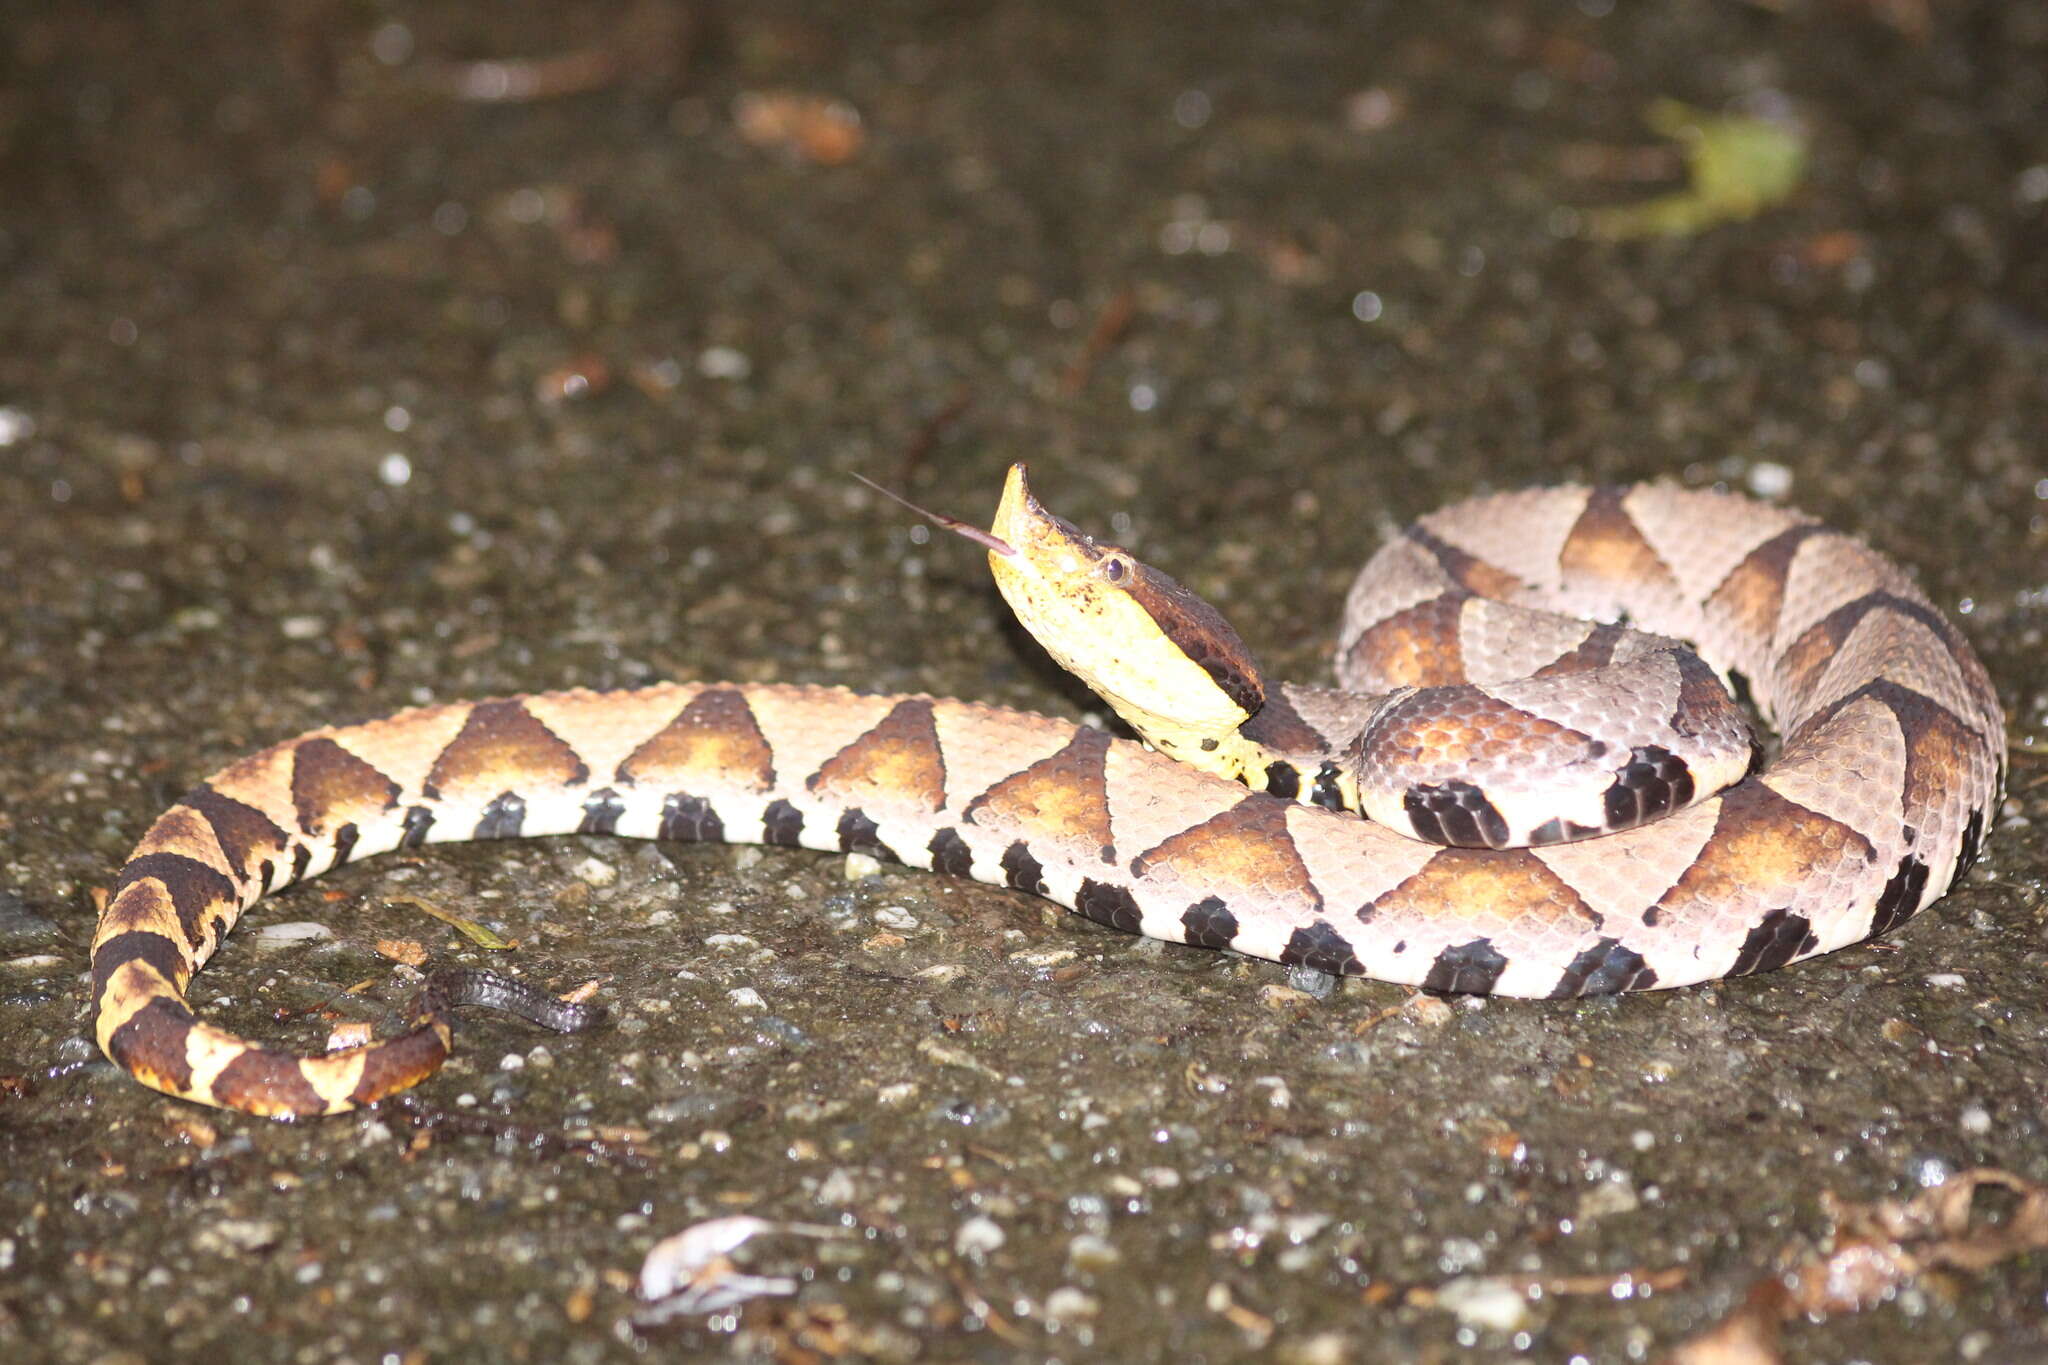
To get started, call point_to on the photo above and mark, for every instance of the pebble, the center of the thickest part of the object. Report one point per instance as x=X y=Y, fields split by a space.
x=1482 y=1301
x=1043 y=957
x=596 y=872
x=1067 y=1304
x=290 y=933
x=978 y=1236
x=228 y=1236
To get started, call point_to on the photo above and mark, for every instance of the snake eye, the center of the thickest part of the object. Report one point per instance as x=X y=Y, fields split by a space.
x=1113 y=570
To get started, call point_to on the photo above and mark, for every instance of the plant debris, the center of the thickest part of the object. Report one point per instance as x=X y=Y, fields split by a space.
x=1739 y=166
x=692 y=1271
x=476 y=933
x=1876 y=1249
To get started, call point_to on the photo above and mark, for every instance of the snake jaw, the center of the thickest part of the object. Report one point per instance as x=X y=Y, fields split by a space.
x=1163 y=658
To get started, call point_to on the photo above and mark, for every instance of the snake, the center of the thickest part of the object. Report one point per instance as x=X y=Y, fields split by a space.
x=1521 y=784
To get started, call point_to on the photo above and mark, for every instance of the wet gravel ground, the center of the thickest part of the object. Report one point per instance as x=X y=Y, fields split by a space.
x=327 y=387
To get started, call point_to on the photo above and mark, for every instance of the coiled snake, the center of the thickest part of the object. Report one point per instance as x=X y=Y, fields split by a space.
x=1890 y=767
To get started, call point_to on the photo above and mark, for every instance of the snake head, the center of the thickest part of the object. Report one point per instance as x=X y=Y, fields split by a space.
x=1164 y=658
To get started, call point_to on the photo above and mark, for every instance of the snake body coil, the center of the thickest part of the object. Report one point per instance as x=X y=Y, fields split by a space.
x=1889 y=770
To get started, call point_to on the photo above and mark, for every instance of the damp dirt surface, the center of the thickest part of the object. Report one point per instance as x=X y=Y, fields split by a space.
x=358 y=356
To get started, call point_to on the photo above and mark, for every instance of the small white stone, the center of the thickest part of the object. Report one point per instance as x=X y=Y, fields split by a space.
x=1974 y=1120
x=302 y=627
x=1066 y=1304
x=1768 y=479
x=895 y=917
x=1091 y=1252
x=978 y=1236
x=723 y=362
x=746 y=998
x=511 y=1061
x=1044 y=957
x=596 y=872
x=1482 y=1301
x=15 y=426
x=1947 y=981
x=291 y=932
x=859 y=867
x=1607 y=1198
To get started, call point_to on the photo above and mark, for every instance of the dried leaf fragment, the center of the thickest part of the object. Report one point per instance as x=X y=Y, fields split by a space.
x=692 y=1271
x=409 y=951
x=1876 y=1249
x=815 y=128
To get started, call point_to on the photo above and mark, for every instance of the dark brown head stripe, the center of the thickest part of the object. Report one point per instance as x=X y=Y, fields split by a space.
x=897 y=759
x=247 y=836
x=1199 y=631
x=501 y=745
x=265 y=1082
x=1247 y=845
x=716 y=733
x=196 y=890
x=152 y=1043
x=1468 y=570
x=1279 y=727
x=1606 y=546
x=331 y=786
x=1065 y=795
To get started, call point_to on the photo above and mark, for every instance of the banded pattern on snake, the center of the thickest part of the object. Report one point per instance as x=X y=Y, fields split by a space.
x=1890 y=768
